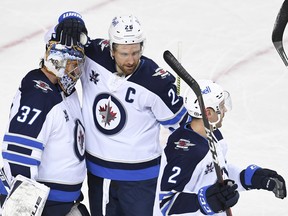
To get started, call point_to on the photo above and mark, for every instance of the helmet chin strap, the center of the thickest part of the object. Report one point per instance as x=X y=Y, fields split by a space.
x=213 y=124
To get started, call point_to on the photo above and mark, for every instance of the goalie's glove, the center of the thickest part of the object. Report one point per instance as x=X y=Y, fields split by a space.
x=71 y=29
x=254 y=177
x=218 y=197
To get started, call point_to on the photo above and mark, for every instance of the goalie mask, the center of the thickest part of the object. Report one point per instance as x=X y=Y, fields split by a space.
x=65 y=63
x=213 y=96
x=126 y=29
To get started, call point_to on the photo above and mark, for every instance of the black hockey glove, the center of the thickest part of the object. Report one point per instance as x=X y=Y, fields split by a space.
x=254 y=177
x=71 y=29
x=218 y=197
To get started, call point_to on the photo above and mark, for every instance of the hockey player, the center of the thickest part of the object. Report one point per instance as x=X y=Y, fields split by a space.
x=188 y=184
x=126 y=97
x=45 y=138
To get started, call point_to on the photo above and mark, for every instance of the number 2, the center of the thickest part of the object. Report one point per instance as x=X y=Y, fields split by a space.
x=172 y=94
x=177 y=171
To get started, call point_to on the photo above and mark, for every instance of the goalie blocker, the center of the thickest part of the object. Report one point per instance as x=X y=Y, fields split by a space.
x=26 y=197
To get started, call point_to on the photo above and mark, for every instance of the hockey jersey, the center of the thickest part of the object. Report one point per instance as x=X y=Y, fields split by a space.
x=122 y=115
x=45 y=138
x=186 y=166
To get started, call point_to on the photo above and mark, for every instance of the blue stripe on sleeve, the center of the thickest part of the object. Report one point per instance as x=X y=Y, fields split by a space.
x=176 y=119
x=20 y=159
x=24 y=141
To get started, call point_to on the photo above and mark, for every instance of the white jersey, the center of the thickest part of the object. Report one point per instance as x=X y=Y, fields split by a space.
x=45 y=138
x=186 y=166
x=122 y=115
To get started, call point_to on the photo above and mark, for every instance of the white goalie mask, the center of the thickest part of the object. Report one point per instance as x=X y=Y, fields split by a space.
x=66 y=63
x=213 y=96
x=125 y=29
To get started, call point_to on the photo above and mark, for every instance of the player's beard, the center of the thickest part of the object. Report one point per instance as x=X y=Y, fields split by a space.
x=127 y=69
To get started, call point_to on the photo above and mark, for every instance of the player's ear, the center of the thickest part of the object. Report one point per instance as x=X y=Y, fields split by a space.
x=209 y=112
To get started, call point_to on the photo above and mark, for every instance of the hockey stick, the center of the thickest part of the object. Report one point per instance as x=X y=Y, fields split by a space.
x=180 y=70
x=178 y=79
x=278 y=30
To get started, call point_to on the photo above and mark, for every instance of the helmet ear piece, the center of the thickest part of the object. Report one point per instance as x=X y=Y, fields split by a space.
x=191 y=103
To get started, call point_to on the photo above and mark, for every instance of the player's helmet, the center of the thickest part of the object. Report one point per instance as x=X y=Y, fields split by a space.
x=125 y=29
x=65 y=63
x=212 y=93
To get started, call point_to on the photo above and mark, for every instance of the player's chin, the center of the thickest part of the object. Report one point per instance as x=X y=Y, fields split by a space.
x=219 y=125
x=129 y=70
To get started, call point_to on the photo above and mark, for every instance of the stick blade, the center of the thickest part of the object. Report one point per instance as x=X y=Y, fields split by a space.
x=280 y=23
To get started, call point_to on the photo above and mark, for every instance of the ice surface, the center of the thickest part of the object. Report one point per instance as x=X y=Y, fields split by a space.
x=225 y=40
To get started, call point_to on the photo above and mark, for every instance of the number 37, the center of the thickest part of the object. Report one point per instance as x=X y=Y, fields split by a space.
x=25 y=112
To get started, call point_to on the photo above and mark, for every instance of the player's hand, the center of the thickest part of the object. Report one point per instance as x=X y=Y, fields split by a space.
x=71 y=29
x=255 y=177
x=218 y=197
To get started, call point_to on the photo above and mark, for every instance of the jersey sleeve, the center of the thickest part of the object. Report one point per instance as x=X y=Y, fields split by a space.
x=22 y=147
x=166 y=105
x=234 y=173
x=167 y=94
x=180 y=166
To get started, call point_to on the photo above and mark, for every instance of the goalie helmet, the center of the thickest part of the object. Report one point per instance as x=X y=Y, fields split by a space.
x=126 y=29
x=212 y=93
x=65 y=63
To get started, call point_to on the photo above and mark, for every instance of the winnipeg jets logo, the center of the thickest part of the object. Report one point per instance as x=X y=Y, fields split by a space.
x=79 y=140
x=161 y=72
x=94 y=77
x=183 y=144
x=103 y=44
x=107 y=113
x=42 y=85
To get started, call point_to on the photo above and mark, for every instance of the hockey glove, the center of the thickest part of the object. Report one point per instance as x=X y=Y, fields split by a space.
x=254 y=177
x=71 y=29
x=218 y=197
